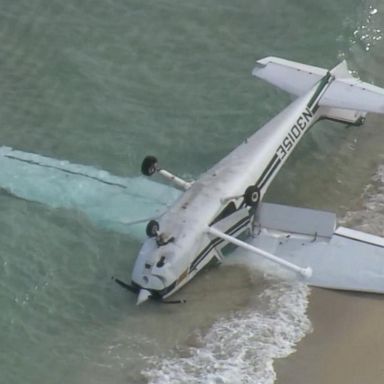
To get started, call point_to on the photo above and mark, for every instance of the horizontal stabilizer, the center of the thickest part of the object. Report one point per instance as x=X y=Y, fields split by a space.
x=293 y=77
x=349 y=93
x=354 y=94
x=345 y=92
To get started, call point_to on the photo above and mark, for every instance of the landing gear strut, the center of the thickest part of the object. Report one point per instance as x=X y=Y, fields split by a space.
x=150 y=165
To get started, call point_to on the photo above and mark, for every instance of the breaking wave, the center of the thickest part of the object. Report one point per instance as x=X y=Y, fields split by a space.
x=241 y=348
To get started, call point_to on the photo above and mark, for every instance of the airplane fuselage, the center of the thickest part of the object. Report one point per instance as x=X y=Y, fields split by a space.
x=163 y=267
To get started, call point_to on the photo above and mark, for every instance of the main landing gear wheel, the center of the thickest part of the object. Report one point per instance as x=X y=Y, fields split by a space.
x=252 y=196
x=149 y=166
x=152 y=228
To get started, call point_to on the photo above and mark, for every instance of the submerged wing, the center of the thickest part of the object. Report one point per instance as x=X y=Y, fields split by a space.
x=339 y=258
x=120 y=203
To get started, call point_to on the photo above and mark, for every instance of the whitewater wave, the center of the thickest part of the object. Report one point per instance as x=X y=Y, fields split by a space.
x=241 y=348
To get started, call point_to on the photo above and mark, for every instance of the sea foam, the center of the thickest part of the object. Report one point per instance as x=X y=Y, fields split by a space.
x=241 y=348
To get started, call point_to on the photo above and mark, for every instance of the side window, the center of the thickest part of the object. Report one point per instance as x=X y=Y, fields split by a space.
x=228 y=210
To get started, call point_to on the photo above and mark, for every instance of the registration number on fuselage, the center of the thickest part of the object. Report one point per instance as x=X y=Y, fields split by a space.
x=294 y=134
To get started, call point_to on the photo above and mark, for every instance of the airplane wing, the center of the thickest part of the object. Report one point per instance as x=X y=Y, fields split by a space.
x=123 y=204
x=340 y=258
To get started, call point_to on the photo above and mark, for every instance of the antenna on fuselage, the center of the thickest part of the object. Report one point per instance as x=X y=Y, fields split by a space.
x=150 y=166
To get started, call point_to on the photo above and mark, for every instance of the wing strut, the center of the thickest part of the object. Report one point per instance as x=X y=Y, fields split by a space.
x=305 y=272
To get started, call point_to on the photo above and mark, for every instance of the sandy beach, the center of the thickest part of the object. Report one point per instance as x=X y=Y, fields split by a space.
x=346 y=345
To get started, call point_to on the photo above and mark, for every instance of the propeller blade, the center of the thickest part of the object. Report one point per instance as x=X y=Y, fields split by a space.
x=128 y=287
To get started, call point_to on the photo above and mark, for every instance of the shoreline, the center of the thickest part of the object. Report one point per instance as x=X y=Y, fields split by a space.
x=346 y=345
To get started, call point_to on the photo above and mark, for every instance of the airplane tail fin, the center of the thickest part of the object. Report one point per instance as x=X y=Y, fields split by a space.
x=346 y=99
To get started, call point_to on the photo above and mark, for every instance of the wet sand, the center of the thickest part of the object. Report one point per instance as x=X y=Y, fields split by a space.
x=346 y=345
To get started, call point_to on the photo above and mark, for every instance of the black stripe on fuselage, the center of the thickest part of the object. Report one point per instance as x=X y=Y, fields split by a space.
x=313 y=103
x=275 y=161
x=313 y=106
x=271 y=171
x=235 y=228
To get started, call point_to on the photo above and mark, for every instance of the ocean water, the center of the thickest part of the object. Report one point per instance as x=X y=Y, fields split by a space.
x=104 y=83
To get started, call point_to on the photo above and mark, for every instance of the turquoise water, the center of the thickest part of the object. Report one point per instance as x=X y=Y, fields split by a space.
x=104 y=83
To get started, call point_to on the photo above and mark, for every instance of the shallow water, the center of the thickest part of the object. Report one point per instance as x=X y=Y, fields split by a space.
x=104 y=83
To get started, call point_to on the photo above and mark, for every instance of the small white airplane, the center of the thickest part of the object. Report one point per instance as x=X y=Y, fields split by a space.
x=226 y=201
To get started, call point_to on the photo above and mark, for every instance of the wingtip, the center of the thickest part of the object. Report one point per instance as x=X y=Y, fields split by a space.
x=259 y=65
